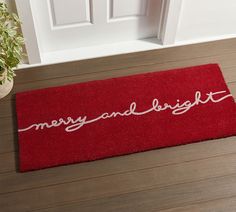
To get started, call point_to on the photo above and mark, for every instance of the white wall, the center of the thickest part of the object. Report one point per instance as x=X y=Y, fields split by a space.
x=206 y=19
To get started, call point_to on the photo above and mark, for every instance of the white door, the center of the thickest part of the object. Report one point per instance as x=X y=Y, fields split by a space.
x=69 y=24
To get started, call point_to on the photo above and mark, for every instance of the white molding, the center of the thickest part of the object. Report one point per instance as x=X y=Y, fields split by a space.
x=28 y=30
x=52 y=18
x=170 y=13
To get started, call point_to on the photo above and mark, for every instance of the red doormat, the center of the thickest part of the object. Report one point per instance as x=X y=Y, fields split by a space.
x=99 y=119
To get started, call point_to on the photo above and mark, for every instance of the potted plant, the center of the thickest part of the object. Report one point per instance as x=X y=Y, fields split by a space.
x=11 y=48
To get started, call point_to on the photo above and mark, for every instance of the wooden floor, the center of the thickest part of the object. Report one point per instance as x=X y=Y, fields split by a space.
x=194 y=177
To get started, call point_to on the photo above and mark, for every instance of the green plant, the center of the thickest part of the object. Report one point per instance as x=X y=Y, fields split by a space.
x=11 y=43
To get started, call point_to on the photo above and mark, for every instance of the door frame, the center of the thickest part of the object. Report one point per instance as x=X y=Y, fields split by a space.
x=166 y=34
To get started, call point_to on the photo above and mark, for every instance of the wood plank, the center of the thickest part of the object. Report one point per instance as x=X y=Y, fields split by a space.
x=131 y=181
x=156 y=199
x=224 y=60
x=127 y=60
x=144 y=189
x=218 y=205
x=229 y=73
x=8 y=162
x=232 y=88
x=8 y=143
x=8 y=125
x=7 y=108
x=14 y=181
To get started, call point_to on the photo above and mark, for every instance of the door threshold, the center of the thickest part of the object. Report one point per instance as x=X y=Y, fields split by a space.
x=118 y=48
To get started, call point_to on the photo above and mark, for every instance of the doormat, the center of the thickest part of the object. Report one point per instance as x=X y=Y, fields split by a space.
x=105 y=118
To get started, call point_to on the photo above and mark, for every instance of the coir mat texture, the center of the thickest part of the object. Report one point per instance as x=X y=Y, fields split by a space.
x=104 y=118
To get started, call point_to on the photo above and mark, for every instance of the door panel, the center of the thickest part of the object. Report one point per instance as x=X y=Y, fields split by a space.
x=79 y=12
x=119 y=8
